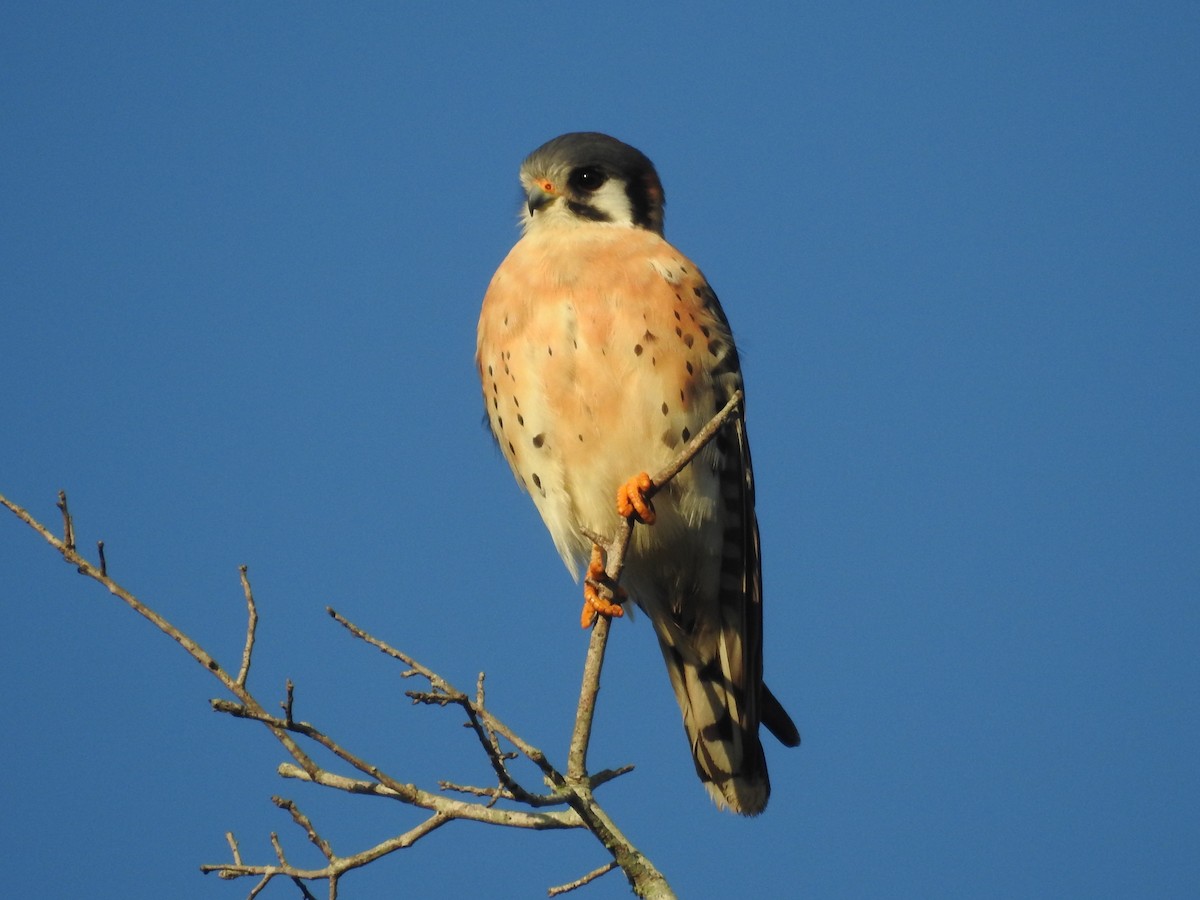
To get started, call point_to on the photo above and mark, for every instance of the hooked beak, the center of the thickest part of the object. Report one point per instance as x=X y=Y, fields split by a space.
x=539 y=196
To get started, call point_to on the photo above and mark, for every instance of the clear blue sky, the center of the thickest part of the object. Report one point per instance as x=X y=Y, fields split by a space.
x=243 y=250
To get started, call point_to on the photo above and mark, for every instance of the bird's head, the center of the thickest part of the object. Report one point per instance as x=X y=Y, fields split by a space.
x=590 y=177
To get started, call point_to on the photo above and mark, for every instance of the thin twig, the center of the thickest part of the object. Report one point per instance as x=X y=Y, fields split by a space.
x=615 y=550
x=703 y=436
x=585 y=712
x=251 y=625
x=304 y=822
x=444 y=693
x=193 y=649
x=233 y=847
x=575 y=789
x=383 y=785
x=494 y=793
x=289 y=698
x=278 y=849
x=68 y=526
x=580 y=882
x=336 y=867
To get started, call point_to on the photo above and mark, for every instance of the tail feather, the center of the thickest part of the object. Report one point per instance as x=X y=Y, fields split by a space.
x=778 y=722
x=703 y=593
x=721 y=723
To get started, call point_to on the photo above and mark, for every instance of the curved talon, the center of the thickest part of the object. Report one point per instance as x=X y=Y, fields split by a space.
x=633 y=500
x=593 y=603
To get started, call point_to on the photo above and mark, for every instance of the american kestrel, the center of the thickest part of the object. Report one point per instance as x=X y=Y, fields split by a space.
x=602 y=351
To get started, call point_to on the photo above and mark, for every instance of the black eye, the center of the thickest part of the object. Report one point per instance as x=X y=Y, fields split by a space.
x=587 y=180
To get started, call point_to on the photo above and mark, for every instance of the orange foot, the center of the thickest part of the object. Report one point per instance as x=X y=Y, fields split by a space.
x=633 y=498
x=593 y=603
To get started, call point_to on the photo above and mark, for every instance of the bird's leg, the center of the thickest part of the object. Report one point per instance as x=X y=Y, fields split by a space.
x=633 y=501
x=593 y=602
x=633 y=498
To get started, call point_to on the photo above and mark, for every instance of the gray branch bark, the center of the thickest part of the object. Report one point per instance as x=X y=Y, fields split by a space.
x=569 y=803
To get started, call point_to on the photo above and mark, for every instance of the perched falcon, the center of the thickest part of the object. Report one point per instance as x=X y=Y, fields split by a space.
x=602 y=350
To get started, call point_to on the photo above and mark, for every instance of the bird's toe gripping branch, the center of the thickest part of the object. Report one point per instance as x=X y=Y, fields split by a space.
x=633 y=498
x=633 y=502
x=594 y=603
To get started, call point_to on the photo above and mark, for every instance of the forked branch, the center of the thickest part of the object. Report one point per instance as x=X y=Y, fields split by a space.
x=508 y=802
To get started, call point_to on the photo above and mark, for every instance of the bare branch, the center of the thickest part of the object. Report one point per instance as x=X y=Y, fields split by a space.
x=445 y=693
x=289 y=698
x=279 y=854
x=614 y=550
x=251 y=623
x=580 y=882
x=337 y=865
x=68 y=526
x=383 y=785
x=585 y=712
x=574 y=789
x=304 y=822
x=703 y=436
x=193 y=649
x=233 y=847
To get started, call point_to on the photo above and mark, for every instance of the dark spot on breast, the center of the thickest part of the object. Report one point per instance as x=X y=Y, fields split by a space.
x=649 y=337
x=512 y=449
x=495 y=387
x=580 y=438
x=687 y=434
x=520 y=420
x=683 y=269
x=495 y=403
x=549 y=351
x=500 y=421
x=688 y=340
x=537 y=481
x=665 y=408
x=517 y=402
x=539 y=439
x=698 y=292
x=704 y=330
x=690 y=368
x=678 y=330
x=637 y=349
x=490 y=372
x=714 y=347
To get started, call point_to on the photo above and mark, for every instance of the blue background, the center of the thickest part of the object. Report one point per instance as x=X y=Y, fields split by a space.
x=244 y=247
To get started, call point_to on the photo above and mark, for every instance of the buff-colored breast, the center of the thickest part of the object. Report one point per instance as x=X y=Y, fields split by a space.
x=595 y=349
